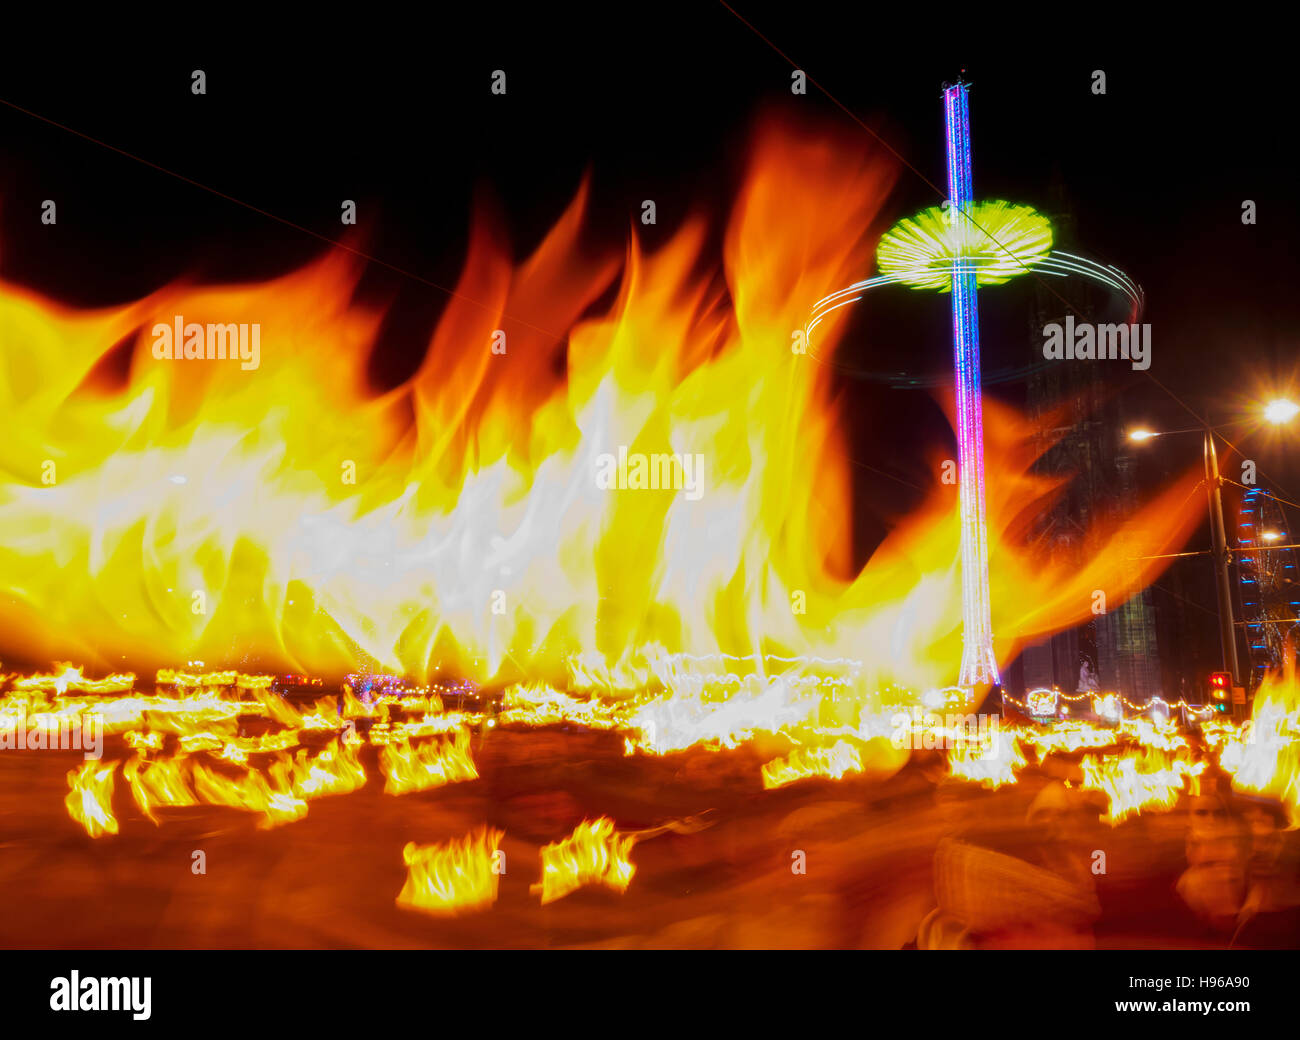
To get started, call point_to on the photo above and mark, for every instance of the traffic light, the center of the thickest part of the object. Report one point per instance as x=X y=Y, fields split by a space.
x=1220 y=687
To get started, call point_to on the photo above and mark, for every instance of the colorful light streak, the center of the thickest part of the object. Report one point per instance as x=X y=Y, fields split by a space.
x=979 y=667
x=995 y=241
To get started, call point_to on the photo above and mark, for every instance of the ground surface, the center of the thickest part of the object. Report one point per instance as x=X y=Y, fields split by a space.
x=330 y=879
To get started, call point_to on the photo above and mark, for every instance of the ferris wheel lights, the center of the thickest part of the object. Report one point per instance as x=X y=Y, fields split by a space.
x=1266 y=572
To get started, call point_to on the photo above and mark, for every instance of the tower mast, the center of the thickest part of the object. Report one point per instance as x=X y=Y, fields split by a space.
x=978 y=664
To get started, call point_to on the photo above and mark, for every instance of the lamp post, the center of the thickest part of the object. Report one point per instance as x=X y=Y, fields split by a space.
x=1277 y=412
x=1219 y=551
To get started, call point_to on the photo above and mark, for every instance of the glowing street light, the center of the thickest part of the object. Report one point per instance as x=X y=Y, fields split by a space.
x=1277 y=411
x=1280 y=410
x=1218 y=540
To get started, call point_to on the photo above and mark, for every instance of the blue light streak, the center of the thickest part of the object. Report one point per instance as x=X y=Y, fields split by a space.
x=979 y=666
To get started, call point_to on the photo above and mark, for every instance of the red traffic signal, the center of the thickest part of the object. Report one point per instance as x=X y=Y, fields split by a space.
x=1220 y=684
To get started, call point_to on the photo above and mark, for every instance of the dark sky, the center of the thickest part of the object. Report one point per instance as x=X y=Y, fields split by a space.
x=658 y=102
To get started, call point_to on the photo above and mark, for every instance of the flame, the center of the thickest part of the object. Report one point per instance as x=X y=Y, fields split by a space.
x=70 y=678
x=834 y=761
x=164 y=781
x=335 y=770
x=1068 y=735
x=1264 y=756
x=198 y=510
x=990 y=762
x=1135 y=781
x=90 y=798
x=418 y=767
x=251 y=791
x=189 y=752
x=454 y=877
x=594 y=854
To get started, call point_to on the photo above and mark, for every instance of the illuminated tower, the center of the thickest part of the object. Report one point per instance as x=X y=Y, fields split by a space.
x=978 y=665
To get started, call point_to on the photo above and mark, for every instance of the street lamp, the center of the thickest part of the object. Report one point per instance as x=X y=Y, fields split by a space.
x=1277 y=411
x=1280 y=410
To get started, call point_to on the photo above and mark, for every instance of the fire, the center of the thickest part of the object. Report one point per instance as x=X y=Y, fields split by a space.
x=161 y=782
x=594 y=854
x=335 y=770
x=539 y=704
x=70 y=678
x=1264 y=755
x=454 y=524
x=837 y=760
x=991 y=762
x=1141 y=780
x=90 y=800
x=454 y=877
x=1068 y=735
x=418 y=767
x=191 y=750
x=251 y=791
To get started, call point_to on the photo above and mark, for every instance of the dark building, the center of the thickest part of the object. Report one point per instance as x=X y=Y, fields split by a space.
x=1080 y=419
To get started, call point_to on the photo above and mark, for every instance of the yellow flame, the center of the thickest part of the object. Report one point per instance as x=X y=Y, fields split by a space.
x=418 y=767
x=1264 y=755
x=1136 y=781
x=163 y=782
x=456 y=523
x=90 y=798
x=251 y=791
x=455 y=877
x=991 y=762
x=594 y=854
x=835 y=761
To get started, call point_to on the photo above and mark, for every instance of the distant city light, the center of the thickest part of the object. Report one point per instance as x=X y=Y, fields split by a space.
x=1280 y=410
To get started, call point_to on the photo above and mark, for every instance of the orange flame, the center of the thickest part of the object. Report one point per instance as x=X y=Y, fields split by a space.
x=90 y=798
x=419 y=767
x=594 y=854
x=162 y=782
x=454 y=877
x=1264 y=755
x=1147 y=779
x=835 y=761
x=457 y=524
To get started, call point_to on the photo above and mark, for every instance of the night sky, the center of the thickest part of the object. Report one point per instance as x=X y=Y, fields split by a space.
x=659 y=103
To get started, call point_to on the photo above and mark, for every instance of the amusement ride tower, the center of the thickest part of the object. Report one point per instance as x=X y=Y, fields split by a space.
x=978 y=664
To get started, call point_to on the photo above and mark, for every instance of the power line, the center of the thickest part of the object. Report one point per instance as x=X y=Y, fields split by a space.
x=279 y=220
